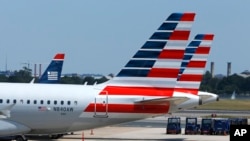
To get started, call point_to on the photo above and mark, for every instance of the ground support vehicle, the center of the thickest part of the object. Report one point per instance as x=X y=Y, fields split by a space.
x=192 y=127
x=206 y=126
x=174 y=125
x=221 y=126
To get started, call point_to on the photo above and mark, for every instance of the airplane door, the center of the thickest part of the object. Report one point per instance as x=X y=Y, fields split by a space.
x=101 y=106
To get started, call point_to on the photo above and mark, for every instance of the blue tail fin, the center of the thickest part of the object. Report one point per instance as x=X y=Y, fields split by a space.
x=53 y=72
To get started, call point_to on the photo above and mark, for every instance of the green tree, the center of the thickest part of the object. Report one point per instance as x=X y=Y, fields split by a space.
x=89 y=80
x=3 y=78
x=23 y=76
x=71 y=80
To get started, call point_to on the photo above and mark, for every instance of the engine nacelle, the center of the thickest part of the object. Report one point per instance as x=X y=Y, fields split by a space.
x=8 y=128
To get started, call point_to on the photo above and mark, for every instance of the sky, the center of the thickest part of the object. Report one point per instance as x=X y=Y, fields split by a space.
x=100 y=36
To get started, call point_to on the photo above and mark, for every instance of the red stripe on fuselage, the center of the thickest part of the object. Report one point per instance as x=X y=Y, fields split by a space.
x=171 y=54
x=129 y=108
x=142 y=91
x=163 y=72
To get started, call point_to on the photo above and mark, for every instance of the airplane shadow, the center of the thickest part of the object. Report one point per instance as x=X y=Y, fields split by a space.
x=109 y=139
x=126 y=139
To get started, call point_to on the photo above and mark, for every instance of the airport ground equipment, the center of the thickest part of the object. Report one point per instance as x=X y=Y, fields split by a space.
x=238 y=121
x=221 y=126
x=174 y=125
x=206 y=126
x=192 y=127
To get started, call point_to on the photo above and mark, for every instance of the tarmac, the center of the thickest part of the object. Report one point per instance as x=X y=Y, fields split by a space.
x=111 y=133
x=151 y=129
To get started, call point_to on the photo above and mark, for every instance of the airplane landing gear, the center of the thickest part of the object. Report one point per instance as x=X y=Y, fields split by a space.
x=21 y=138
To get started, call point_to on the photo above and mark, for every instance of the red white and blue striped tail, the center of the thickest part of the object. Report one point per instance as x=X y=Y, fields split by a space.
x=154 y=69
x=194 y=63
x=52 y=74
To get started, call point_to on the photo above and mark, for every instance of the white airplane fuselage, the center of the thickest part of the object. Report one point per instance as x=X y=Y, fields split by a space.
x=68 y=114
x=153 y=82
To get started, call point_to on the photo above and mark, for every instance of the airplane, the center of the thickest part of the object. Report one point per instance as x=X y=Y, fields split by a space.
x=196 y=53
x=143 y=88
x=193 y=67
x=52 y=74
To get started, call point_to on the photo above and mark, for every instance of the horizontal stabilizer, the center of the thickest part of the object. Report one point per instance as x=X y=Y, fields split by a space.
x=175 y=100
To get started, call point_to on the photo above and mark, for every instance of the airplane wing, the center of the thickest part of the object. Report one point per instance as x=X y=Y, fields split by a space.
x=12 y=128
x=9 y=127
x=5 y=111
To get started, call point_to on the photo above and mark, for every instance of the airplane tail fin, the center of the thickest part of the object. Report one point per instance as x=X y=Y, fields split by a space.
x=53 y=72
x=193 y=65
x=155 y=66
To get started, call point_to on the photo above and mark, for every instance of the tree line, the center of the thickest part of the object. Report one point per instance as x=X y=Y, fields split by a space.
x=224 y=85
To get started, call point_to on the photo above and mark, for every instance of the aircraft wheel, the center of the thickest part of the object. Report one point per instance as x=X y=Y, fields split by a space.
x=56 y=136
x=20 y=138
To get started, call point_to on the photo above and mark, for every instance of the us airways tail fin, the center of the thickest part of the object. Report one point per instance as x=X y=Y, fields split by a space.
x=53 y=72
x=193 y=65
x=154 y=69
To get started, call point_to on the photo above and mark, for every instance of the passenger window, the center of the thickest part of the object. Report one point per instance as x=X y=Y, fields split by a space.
x=62 y=102
x=28 y=101
x=35 y=101
x=14 y=101
x=55 y=102
x=68 y=102
x=1 y=101
x=41 y=102
x=48 y=102
x=21 y=101
x=8 y=101
x=75 y=102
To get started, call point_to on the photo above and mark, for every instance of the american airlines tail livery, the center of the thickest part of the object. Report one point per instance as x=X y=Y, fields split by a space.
x=157 y=80
x=193 y=66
